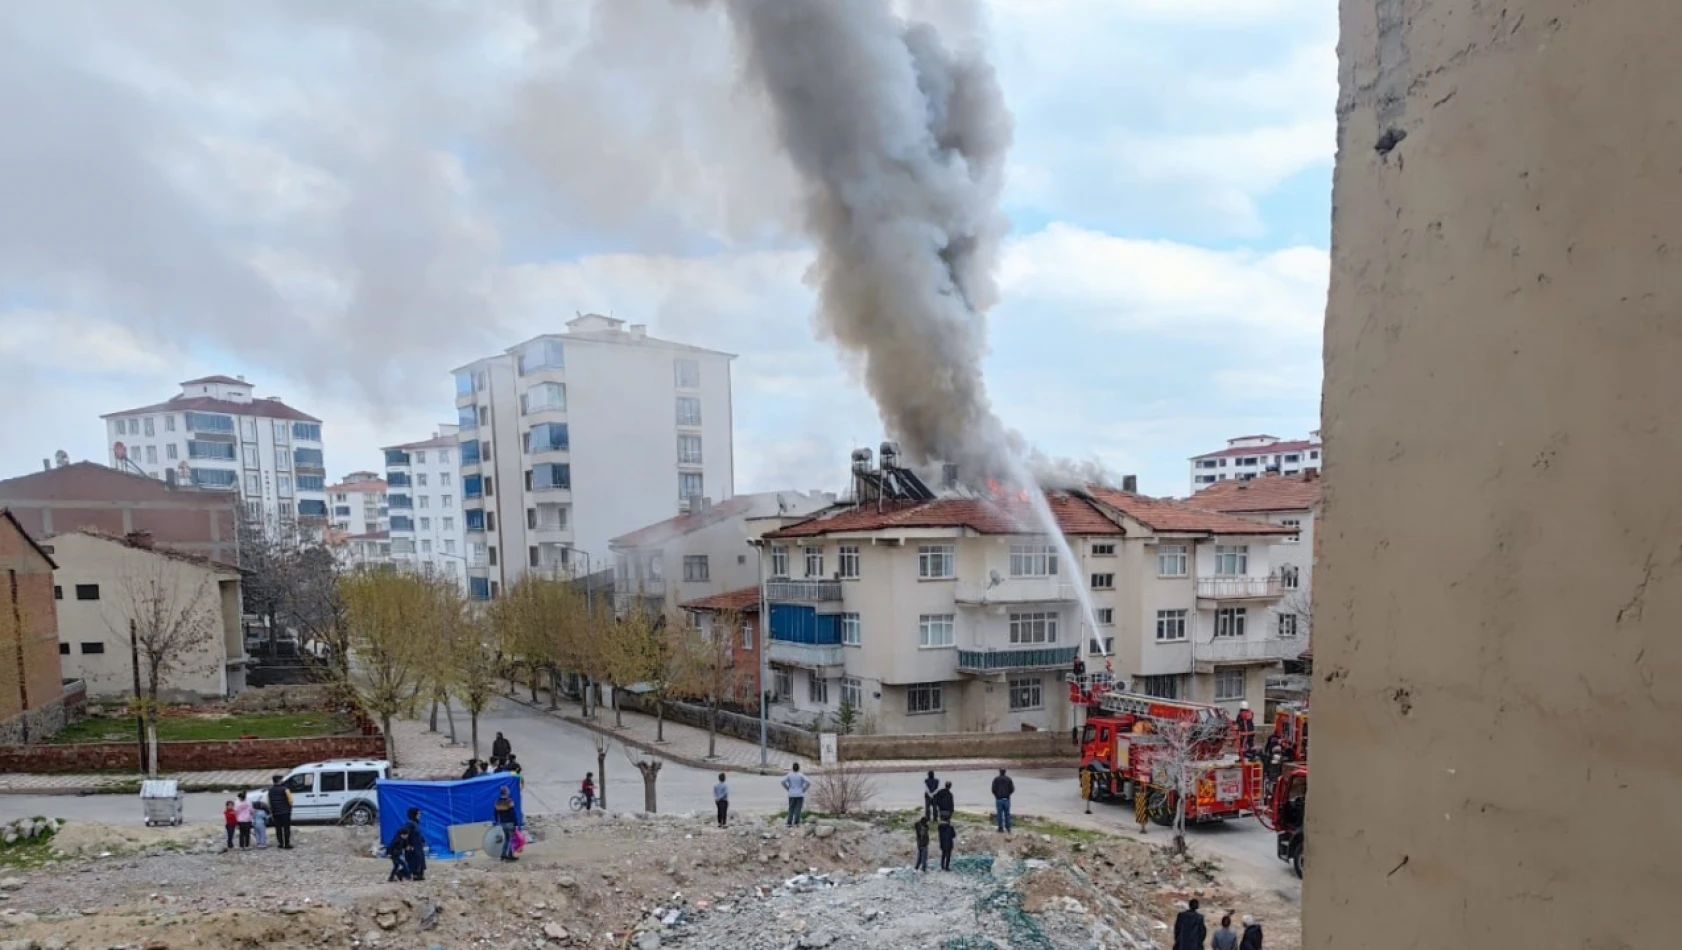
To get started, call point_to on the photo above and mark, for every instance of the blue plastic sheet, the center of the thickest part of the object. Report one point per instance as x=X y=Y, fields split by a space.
x=442 y=804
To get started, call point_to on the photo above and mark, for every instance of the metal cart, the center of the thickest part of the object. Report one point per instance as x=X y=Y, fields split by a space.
x=161 y=801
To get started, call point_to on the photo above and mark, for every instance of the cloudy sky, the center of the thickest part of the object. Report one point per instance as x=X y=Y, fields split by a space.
x=342 y=201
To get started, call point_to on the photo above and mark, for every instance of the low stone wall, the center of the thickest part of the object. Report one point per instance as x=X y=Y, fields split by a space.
x=958 y=745
x=189 y=756
x=778 y=736
x=281 y=698
x=44 y=721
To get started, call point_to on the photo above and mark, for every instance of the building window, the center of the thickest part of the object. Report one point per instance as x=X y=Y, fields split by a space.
x=425 y=523
x=545 y=476
x=852 y=693
x=548 y=437
x=254 y=485
x=544 y=397
x=1205 y=463
x=1229 y=621
x=307 y=431
x=782 y=683
x=1290 y=577
x=1232 y=560
x=1026 y=694
x=689 y=485
x=94 y=646
x=934 y=630
x=688 y=411
x=1036 y=627
x=1291 y=459
x=1170 y=626
x=1105 y=616
x=695 y=568
x=544 y=354
x=1229 y=685
x=851 y=631
x=817 y=690
x=152 y=453
x=317 y=483
x=169 y=423
x=1033 y=560
x=1171 y=560
x=1107 y=648
x=282 y=459
x=1103 y=582
x=282 y=433
x=426 y=546
x=447 y=501
x=924 y=698
x=934 y=561
x=421 y=501
x=1106 y=549
x=1287 y=625
x=87 y=591
x=58 y=592
x=1161 y=687
x=779 y=562
x=1314 y=454
x=688 y=373
x=444 y=459
x=848 y=556
x=64 y=649
x=149 y=426
x=1296 y=529
x=747 y=636
x=171 y=452
x=814 y=562
x=689 y=450
x=220 y=451
x=420 y=478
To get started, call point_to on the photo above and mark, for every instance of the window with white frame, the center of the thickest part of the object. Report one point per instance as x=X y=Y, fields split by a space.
x=1093 y=648
x=1033 y=560
x=779 y=562
x=695 y=568
x=1289 y=577
x=1027 y=693
x=1229 y=621
x=814 y=562
x=1170 y=626
x=1105 y=616
x=1103 y=582
x=934 y=630
x=1232 y=560
x=688 y=373
x=444 y=477
x=747 y=636
x=1034 y=627
x=782 y=683
x=935 y=561
x=688 y=411
x=817 y=690
x=689 y=485
x=1103 y=549
x=924 y=698
x=1296 y=529
x=689 y=450
x=851 y=630
x=852 y=693
x=169 y=423
x=1229 y=685
x=847 y=557
x=1171 y=560
x=1287 y=625
x=282 y=432
x=426 y=524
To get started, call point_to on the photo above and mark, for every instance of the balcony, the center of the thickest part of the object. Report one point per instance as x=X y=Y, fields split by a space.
x=1015 y=590
x=1242 y=651
x=647 y=586
x=824 y=657
x=1025 y=658
x=1239 y=588
x=810 y=591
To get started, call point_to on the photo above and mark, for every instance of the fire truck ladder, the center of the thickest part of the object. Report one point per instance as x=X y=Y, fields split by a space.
x=1151 y=707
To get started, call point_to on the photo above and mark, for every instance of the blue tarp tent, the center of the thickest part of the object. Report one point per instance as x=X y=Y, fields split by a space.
x=442 y=804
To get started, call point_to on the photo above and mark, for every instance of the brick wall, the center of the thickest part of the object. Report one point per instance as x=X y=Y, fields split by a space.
x=189 y=756
x=958 y=745
x=28 y=626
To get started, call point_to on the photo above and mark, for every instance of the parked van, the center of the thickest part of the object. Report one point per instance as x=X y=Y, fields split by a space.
x=339 y=791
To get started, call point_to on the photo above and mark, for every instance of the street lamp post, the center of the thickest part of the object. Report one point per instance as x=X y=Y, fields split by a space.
x=764 y=652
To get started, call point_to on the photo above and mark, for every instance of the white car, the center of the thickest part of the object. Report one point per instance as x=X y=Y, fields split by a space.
x=339 y=791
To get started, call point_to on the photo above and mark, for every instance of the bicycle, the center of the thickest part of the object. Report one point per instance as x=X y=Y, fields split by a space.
x=579 y=802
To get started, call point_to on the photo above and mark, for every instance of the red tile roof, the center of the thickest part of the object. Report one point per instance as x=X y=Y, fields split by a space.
x=436 y=442
x=377 y=484
x=1276 y=447
x=1267 y=493
x=1074 y=515
x=224 y=380
x=745 y=600
x=268 y=408
x=185 y=557
x=1167 y=515
x=671 y=529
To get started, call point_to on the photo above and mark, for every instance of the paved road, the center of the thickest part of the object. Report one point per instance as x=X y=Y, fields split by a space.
x=556 y=754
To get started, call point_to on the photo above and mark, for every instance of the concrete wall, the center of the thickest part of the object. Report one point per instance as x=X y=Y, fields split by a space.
x=1499 y=678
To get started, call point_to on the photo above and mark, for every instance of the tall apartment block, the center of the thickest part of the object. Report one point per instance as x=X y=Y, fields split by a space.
x=358 y=504
x=1251 y=456
x=571 y=439
x=217 y=435
x=424 y=496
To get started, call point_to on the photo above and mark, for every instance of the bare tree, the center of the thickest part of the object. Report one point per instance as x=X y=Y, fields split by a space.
x=843 y=789
x=630 y=652
x=603 y=743
x=649 y=767
x=1180 y=753
x=388 y=613
x=171 y=618
x=706 y=667
x=1301 y=603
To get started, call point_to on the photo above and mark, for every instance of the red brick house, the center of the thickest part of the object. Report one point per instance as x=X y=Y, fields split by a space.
x=89 y=496
x=743 y=605
x=31 y=684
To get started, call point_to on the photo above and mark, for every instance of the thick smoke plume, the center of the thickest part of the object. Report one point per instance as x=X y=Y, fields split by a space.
x=900 y=143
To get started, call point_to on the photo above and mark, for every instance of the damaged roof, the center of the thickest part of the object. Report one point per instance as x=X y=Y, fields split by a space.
x=745 y=600
x=1074 y=515
x=1268 y=493
x=671 y=529
x=1164 y=515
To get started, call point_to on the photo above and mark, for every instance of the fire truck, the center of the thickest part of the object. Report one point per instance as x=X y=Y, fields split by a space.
x=1285 y=813
x=1290 y=724
x=1132 y=742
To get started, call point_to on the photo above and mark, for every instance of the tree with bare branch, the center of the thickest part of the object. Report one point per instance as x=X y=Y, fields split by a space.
x=707 y=667
x=602 y=743
x=171 y=614
x=843 y=789
x=1180 y=753
x=388 y=613
x=631 y=652
x=649 y=768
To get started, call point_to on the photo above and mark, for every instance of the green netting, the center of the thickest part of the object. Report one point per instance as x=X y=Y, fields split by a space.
x=1004 y=904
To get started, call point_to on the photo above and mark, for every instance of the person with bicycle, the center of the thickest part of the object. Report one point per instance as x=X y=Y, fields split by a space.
x=587 y=790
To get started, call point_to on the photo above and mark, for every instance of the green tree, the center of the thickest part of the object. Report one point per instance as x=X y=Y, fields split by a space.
x=389 y=616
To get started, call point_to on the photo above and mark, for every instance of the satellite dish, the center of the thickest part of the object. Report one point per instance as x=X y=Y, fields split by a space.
x=61 y=458
x=993 y=579
x=120 y=451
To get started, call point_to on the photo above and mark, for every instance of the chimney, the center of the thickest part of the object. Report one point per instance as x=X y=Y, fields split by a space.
x=139 y=539
x=46 y=465
x=1310 y=474
x=639 y=330
x=1130 y=484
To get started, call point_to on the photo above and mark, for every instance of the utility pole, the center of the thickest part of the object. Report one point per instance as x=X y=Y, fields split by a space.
x=139 y=706
x=764 y=652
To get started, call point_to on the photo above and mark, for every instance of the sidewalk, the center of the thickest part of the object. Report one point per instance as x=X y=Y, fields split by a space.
x=687 y=745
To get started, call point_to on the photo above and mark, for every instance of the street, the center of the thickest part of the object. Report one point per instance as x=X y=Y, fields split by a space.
x=556 y=754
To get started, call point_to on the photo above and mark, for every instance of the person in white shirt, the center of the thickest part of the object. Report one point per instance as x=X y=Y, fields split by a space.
x=796 y=785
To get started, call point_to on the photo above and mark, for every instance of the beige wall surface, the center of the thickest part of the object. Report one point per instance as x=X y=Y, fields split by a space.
x=1498 y=705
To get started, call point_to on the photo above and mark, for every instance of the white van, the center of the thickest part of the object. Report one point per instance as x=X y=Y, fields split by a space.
x=339 y=791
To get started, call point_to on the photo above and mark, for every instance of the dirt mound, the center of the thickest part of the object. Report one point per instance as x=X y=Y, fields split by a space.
x=87 y=839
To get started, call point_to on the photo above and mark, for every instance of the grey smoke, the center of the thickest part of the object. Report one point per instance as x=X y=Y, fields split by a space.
x=899 y=140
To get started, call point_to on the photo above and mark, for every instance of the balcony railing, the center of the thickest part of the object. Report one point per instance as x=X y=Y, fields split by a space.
x=810 y=656
x=1016 y=590
x=810 y=591
x=1028 y=658
x=1239 y=588
x=1245 y=649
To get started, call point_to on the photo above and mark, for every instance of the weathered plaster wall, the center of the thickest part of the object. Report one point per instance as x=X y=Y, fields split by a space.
x=1497 y=753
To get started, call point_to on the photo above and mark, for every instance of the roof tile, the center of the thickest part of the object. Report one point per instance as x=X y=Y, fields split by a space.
x=662 y=532
x=1268 y=493
x=1074 y=516
x=1272 y=449
x=745 y=600
x=267 y=408
x=1167 y=515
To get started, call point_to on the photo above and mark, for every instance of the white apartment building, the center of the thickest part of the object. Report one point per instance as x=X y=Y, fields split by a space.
x=706 y=552
x=216 y=435
x=357 y=505
x=569 y=440
x=424 y=494
x=1290 y=501
x=1251 y=456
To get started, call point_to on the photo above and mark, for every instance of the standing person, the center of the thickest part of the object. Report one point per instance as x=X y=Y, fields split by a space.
x=588 y=790
x=398 y=851
x=242 y=816
x=944 y=805
x=921 y=828
x=501 y=748
x=1252 y=939
x=1246 y=728
x=230 y=822
x=416 y=857
x=1189 y=928
x=1003 y=788
x=472 y=770
x=796 y=785
x=503 y=815
x=721 y=799
x=280 y=812
x=1224 y=938
x=930 y=786
x=260 y=824
x=948 y=840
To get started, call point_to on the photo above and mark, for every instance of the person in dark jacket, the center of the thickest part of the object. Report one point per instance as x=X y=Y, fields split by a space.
x=1189 y=929
x=1246 y=726
x=472 y=770
x=948 y=841
x=417 y=846
x=930 y=786
x=398 y=849
x=943 y=804
x=501 y=748
x=280 y=812
x=1252 y=939
x=921 y=828
x=1003 y=788
x=503 y=814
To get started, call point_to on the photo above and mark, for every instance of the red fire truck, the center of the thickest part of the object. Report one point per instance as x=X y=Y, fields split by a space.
x=1132 y=741
x=1290 y=724
x=1285 y=813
